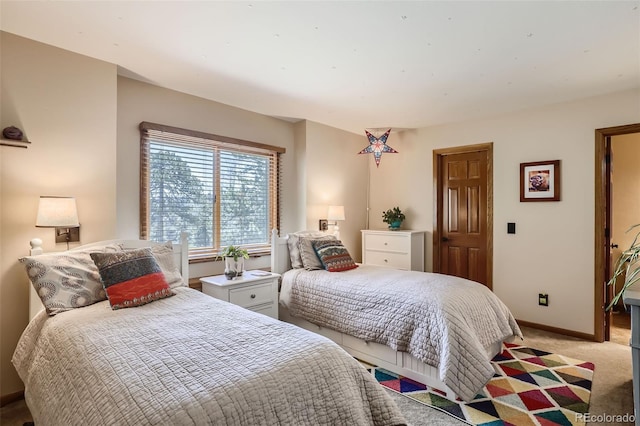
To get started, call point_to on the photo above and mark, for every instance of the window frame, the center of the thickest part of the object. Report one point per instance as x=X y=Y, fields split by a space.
x=163 y=133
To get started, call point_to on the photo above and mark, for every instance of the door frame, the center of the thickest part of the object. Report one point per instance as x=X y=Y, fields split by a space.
x=601 y=241
x=438 y=155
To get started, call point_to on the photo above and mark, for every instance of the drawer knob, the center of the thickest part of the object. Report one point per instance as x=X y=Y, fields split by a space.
x=386 y=260
x=253 y=296
x=385 y=244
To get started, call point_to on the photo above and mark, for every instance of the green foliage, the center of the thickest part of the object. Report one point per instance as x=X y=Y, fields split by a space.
x=393 y=215
x=234 y=251
x=627 y=262
x=244 y=202
x=178 y=200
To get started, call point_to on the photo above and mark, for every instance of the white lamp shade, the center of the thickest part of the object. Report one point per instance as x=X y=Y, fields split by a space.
x=60 y=212
x=335 y=213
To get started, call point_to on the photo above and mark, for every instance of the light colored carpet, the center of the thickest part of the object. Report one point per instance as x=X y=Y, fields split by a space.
x=611 y=392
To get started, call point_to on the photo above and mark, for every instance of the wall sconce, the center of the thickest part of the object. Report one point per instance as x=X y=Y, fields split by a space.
x=335 y=214
x=60 y=213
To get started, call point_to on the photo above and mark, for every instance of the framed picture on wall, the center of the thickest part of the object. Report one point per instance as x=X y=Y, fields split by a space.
x=540 y=181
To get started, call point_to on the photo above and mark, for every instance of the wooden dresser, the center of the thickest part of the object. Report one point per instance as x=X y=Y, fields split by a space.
x=402 y=249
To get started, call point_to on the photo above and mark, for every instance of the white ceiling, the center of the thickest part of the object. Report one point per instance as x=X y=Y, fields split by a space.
x=354 y=64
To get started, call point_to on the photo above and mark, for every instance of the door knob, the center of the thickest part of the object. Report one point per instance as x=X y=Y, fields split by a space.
x=614 y=246
x=445 y=239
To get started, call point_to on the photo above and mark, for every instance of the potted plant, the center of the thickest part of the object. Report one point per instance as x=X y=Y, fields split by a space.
x=234 y=257
x=393 y=217
x=627 y=264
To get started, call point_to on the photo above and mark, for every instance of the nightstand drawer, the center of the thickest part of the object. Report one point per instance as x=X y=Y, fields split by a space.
x=392 y=260
x=270 y=310
x=399 y=243
x=252 y=296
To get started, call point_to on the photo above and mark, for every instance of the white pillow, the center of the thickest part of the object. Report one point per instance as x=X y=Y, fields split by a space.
x=310 y=259
x=166 y=261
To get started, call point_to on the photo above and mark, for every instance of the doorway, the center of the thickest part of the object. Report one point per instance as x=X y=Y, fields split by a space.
x=463 y=212
x=605 y=236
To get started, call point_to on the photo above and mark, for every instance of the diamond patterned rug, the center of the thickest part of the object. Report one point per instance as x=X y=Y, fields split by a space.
x=530 y=387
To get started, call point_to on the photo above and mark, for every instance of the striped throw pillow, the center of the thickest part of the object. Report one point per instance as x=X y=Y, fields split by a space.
x=131 y=278
x=334 y=255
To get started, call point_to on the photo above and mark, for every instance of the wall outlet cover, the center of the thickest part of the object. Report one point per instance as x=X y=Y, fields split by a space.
x=543 y=299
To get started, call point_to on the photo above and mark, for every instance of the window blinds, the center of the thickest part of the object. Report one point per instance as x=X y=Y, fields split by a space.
x=223 y=191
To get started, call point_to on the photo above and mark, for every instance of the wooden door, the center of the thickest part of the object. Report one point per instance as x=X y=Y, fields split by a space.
x=602 y=210
x=463 y=229
x=608 y=290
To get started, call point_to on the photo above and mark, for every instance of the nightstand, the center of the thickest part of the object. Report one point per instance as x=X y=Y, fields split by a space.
x=254 y=290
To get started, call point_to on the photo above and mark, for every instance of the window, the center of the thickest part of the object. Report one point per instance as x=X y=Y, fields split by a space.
x=222 y=191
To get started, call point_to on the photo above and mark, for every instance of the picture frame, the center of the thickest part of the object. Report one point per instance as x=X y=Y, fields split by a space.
x=540 y=181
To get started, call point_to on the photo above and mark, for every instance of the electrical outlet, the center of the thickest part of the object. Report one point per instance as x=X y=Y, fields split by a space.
x=543 y=299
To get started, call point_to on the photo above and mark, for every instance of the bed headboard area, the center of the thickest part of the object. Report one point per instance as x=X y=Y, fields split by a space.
x=280 y=260
x=180 y=257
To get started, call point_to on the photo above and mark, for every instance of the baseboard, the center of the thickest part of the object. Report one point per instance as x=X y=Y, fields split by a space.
x=572 y=333
x=12 y=397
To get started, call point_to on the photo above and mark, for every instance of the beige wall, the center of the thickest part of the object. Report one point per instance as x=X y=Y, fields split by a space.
x=138 y=101
x=552 y=251
x=66 y=105
x=336 y=175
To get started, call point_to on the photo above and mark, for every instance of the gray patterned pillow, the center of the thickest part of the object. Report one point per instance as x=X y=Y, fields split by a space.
x=310 y=259
x=66 y=280
x=294 y=251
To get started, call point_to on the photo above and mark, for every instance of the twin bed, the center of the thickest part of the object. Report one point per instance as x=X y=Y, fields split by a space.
x=192 y=359
x=437 y=329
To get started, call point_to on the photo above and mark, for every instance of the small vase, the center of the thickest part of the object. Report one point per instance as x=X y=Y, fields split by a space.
x=233 y=268
x=395 y=225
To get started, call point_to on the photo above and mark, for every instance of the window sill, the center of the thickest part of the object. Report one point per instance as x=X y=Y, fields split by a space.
x=214 y=258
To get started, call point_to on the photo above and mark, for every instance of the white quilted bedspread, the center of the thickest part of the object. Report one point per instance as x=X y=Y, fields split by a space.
x=447 y=322
x=190 y=360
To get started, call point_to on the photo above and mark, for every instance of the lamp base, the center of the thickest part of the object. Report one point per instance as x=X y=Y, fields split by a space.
x=67 y=235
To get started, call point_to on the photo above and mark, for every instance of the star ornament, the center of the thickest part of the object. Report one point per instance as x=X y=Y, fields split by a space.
x=377 y=146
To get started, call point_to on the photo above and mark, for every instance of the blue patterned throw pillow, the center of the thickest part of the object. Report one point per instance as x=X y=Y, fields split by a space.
x=334 y=255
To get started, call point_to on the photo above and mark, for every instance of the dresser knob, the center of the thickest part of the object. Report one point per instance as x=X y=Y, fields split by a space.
x=385 y=244
x=253 y=296
x=386 y=260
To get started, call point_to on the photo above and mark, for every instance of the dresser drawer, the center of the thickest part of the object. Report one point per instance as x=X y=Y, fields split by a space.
x=392 y=260
x=252 y=296
x=387 y=242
